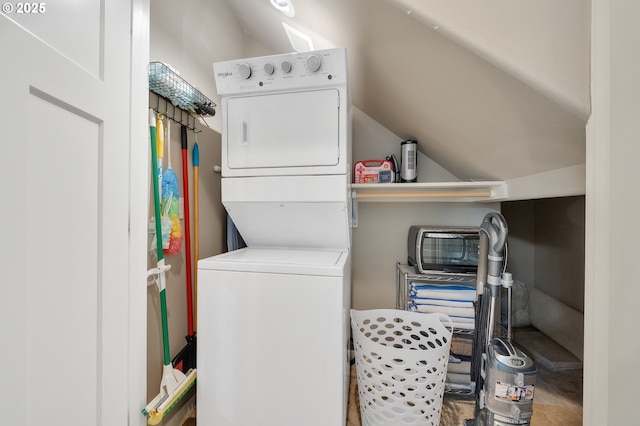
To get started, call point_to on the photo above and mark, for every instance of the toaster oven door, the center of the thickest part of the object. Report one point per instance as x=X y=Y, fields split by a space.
x=455 y=252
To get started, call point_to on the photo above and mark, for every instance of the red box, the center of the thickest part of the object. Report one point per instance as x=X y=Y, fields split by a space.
x=373 y=171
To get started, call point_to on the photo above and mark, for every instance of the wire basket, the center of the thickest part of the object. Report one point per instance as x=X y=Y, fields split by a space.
x=168 y=84
x=401 y=365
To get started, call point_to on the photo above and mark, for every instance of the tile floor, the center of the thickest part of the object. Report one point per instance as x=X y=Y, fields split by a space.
x=557 y=401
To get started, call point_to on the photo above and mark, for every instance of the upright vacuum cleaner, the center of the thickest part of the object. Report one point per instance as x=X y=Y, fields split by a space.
x=504 y=376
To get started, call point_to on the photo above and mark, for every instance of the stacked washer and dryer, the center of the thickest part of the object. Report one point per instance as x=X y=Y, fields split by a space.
x=273 y=318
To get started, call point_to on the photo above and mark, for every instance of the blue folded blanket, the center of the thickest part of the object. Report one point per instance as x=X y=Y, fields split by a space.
x=444 y=292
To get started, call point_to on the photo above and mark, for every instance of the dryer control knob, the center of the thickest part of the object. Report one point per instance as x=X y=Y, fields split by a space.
x=313 y=63
x=268 y=68
x=286 y=66
x=245 y=71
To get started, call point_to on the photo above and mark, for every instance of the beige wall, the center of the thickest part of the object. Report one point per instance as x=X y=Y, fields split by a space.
x=542 y=42
x=546 y=252
x=546 y=246
x=520 y=216
x=559 y=260
x=380 y=241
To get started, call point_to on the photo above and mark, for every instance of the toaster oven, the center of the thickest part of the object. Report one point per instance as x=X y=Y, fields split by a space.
x=443 y=249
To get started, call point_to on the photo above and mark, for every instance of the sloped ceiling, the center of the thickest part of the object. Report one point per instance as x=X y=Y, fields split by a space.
x=491 y=89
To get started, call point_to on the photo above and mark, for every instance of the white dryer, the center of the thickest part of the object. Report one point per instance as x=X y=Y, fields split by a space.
x=273 y=318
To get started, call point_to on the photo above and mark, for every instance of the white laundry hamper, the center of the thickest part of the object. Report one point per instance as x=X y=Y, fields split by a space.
x=401 y=365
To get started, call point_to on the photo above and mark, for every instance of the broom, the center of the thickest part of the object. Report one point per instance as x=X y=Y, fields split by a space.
x=186 y=358
x=174 y=384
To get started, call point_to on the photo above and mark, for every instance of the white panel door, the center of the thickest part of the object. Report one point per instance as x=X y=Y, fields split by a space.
x=64 y=164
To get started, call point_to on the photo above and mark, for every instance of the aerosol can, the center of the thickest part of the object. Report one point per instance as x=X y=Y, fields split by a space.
x=507 y=376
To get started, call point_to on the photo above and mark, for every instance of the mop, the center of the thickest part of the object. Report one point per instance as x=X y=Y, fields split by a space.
x=174 y=384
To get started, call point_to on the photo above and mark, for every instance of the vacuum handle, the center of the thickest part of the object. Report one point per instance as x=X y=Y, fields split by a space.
x=481 y=273
x=495 y=225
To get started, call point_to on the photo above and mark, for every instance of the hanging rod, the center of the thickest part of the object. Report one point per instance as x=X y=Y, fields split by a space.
x=163 y=106
x=432 y=191
x=428 y=194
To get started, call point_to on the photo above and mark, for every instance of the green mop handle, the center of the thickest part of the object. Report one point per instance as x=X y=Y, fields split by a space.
x=158 y=220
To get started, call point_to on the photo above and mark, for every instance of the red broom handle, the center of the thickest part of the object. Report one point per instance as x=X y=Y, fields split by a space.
x=187 y=232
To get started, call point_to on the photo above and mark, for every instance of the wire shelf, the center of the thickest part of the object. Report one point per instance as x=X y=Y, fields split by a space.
x=165 y=82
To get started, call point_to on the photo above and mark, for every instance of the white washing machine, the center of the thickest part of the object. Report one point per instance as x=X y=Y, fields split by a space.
x=272 y=338
x=273 y=318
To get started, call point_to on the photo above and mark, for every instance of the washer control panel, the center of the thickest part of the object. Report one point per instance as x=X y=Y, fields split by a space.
x=291 y=71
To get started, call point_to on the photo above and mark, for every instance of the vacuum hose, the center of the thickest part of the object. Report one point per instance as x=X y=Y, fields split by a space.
x=482 y=313
x=494 y=226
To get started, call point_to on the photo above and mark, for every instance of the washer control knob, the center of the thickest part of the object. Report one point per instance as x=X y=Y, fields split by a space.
x=286 y=67
x=269 y=69
x=245 y=71
x=313 y=63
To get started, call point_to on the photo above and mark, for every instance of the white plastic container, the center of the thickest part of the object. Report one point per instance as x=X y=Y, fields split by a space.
x=401 y=365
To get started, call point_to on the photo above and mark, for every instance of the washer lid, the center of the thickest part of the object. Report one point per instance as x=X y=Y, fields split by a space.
x=279 y=261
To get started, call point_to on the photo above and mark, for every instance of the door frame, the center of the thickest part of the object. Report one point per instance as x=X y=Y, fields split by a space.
x=139 y=170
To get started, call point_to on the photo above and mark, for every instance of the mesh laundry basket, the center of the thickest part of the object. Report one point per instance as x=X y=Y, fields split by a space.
x=401 y=365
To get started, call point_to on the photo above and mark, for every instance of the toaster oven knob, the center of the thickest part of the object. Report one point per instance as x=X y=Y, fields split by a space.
x=313 y=63
x=245 y=71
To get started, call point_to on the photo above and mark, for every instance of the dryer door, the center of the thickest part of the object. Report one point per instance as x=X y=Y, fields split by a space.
x=294 y=129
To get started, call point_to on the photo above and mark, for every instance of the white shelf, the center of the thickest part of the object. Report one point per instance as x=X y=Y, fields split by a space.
x=468 y=191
